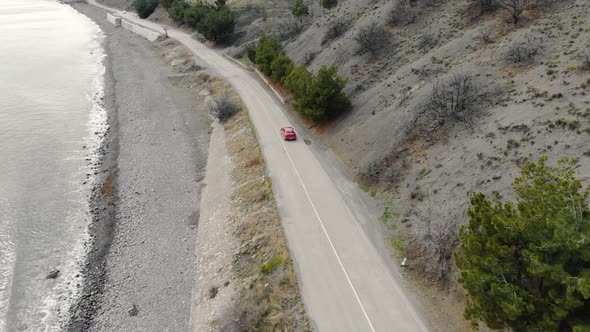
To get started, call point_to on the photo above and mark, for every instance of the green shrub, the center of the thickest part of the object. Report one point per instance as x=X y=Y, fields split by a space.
x=280 y=67
x=269 y=267
x=251 y=53
x=268 y=49
x=526 y=264
x=217 y=24
x=177 y=9
x=300 y=9
x=298 y=80
x=195 y=13
x=323 y=97
x=145 y=8
x=214 y=22
x=329 y=3
x=317 y=97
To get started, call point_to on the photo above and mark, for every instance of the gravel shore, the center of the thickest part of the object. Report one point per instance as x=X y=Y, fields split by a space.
x=142 y=265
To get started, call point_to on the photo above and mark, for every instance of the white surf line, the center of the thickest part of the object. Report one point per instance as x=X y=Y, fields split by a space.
x=329 y=239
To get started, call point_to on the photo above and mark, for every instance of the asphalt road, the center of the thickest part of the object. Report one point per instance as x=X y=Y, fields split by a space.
x=345 y=283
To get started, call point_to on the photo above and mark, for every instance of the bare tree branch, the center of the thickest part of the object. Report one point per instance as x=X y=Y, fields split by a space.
x=372 y=38
x=515 y=7
x=456 y=99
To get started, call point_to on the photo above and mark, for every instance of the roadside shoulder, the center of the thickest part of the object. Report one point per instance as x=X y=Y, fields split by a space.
x=246 y=276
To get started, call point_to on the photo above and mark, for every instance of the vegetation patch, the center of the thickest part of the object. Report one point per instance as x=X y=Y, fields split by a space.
x=329 y=3
x=214 y=21
x=145 y=8
x=300 y=9
x=525 y=264
x=318 y=97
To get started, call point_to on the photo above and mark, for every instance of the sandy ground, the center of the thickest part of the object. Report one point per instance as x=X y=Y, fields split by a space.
x=162 y=138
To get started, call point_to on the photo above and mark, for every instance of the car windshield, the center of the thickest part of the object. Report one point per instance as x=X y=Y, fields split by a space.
x=290 y=131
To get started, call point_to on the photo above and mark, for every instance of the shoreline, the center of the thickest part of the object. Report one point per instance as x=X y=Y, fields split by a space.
x=151 y=166
x=101 y=205
x=228 y=287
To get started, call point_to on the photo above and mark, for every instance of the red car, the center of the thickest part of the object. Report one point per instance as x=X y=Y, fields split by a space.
x=288 y=133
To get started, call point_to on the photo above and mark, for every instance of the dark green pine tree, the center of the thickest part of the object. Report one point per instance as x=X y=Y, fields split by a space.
x=267 y=50
x=324 y=97
x=526 y=264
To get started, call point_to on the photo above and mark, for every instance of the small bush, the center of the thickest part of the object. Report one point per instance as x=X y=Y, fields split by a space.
x=267 y=50
x=177 y=9
x=242 y=315
x=288 y=27
x=213 y=292
x=298 y=80
x=401 y=14
x=223 y=107
x=309 y=56
x=336 y=28
x=251 y=53
x=525 y=51
x=515 y=8
x=372 y=38
x=427 y=42
x=329 y=3
x=166 y=3
x=300 y=9
x=486 y=5
x=280 y=67
x=431 y=251
x=486 y=34
x=512 y=144
x=570 y=124
x=217 y=24
x=456 y=98
x=145 y=8
x=323 y=96
x=194 y=14
x=435 y=250
x=275 y=262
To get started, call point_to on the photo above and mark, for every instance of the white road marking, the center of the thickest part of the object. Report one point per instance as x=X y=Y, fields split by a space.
x=329 y=239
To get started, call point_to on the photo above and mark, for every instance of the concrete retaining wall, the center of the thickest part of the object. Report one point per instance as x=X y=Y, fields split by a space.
x=149 y=34
x=239 y=63
x=115 y=20
x=261 y=75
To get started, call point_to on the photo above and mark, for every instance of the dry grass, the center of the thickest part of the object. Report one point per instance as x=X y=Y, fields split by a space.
x=176 y=55
x=107 y=186
x=269 y=297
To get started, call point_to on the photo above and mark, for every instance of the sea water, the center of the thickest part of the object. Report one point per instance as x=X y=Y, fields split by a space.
x=51 y=121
